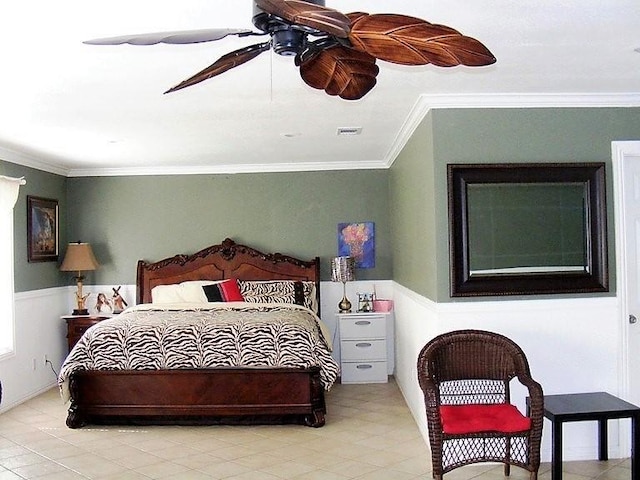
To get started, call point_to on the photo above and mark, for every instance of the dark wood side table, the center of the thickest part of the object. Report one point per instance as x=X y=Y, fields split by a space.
x=598 y=406
x=78 y=324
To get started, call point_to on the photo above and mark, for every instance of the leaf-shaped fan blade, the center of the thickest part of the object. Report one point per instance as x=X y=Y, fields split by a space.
x=341 y=71
x=224 y=63
x=413 y=41
x=181 y=37
x=304 y=13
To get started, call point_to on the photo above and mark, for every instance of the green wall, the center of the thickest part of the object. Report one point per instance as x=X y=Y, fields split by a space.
x=34 y=276
x=153 y=217
x=498 y=136
x=412 y=198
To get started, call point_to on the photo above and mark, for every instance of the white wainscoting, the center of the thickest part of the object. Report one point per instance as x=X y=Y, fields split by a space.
x=39 y=331
x=572 y=346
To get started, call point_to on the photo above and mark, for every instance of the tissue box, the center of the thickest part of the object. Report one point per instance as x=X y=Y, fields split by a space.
x=382 y=305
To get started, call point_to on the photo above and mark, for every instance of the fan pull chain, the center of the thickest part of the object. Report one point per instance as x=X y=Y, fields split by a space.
x=271 y=76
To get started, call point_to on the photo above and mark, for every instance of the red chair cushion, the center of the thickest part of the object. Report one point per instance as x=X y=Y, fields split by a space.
x=477 y=418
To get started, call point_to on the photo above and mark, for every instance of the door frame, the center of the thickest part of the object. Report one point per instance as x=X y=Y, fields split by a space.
x=619 y=153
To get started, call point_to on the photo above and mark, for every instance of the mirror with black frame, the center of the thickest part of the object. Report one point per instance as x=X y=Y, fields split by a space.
x=524 y=229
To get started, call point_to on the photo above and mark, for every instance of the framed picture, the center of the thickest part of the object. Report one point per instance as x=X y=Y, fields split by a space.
x=358 y=240
x=42 y=229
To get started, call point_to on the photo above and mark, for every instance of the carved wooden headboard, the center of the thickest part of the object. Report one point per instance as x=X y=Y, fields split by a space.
x=225 y=260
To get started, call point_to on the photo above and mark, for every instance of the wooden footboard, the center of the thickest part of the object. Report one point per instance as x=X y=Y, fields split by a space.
x=210 y=396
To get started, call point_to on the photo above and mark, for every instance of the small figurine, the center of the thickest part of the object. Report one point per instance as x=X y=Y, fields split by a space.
x=119 y=303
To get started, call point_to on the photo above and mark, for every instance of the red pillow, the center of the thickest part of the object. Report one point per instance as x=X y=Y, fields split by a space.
x=230 y=291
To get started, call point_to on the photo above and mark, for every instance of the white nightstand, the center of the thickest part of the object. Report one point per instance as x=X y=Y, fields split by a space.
x=364 y=346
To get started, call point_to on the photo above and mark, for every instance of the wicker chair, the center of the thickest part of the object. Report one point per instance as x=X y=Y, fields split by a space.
x=465 y=377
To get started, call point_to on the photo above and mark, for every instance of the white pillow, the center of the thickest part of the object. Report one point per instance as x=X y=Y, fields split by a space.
x=185 y=292
x=166 y=294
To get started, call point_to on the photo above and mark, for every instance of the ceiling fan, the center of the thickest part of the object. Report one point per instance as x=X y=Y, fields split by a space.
x=335 y=52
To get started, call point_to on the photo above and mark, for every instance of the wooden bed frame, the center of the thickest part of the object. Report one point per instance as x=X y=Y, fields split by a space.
x=205 y=396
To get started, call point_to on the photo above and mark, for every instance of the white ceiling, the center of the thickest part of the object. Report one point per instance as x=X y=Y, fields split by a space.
x=78 y=109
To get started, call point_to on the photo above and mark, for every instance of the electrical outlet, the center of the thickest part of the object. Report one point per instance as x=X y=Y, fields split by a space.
x=33 y=364
x=46 y=358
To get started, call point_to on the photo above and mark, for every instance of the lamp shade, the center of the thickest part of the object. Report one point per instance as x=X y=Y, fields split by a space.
x=343 y=269
x=79 y=257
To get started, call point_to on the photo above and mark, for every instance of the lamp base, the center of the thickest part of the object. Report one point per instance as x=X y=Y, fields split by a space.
x=83 y=311
x=344 y=305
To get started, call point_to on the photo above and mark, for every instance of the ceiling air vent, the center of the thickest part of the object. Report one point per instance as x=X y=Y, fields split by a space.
x=349 y=130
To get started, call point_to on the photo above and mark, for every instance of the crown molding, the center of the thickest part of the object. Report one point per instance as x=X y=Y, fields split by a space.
x=26 y=160
x=227 y=169
x=426 y=103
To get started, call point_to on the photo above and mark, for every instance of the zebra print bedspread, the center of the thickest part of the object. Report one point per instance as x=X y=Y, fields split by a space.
x=218 y=335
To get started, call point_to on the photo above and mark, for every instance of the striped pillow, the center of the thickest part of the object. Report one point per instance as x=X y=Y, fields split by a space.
x=280 y=291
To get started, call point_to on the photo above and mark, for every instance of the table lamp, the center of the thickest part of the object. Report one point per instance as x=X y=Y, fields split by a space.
x=79 y=258
x=343 y=270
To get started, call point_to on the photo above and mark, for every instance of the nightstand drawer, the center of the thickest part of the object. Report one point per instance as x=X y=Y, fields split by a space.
x=363 y=350
x=365 y=326
x=364 y=372
x=78 y=330
x=78 y=324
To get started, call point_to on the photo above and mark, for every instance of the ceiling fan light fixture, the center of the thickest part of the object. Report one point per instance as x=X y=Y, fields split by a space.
x=288 y=42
